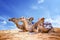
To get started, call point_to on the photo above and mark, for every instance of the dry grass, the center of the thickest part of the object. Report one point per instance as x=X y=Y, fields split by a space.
x=16 y=35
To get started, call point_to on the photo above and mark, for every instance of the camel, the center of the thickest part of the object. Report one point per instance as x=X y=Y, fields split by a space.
x=36 y=26
x=49 y=26
x=29 y=20
x=43 y=26
x=28 y=26
x=32 y=28
x=22 y=27
x=14 y=20
x=27 y=23
x=40 y=26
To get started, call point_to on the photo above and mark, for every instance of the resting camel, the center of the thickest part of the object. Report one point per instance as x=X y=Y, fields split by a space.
x=32 y=28
x=39 y=26
x=29 y=20
x=28 y=26
x=14 y=20
x=44 y=27
x=36 y=27
x=27 y=23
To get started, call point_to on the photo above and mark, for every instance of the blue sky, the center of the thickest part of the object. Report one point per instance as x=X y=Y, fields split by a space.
x=50 y=9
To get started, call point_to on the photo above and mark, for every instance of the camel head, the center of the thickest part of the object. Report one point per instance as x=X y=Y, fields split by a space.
x=13 y=20
x=41 y=19
x=31 y=19
x=22 y=19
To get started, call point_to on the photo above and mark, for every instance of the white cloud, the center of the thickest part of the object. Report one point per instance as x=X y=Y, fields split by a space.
x=56 y=10
x=4 y=22
x=40 y=1
x=13 y=27
x=55 y=22
x=34 y=7
x=49 y=20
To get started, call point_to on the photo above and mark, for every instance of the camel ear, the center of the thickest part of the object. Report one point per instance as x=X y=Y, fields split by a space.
x=41 y=18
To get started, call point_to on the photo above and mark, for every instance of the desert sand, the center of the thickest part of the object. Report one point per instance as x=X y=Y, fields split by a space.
x=17 y=35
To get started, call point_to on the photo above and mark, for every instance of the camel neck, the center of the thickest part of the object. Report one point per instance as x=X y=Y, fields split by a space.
x=17 y=24
x=25 y=23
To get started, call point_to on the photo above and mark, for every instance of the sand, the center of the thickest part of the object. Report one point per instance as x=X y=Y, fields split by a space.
x=17 y=35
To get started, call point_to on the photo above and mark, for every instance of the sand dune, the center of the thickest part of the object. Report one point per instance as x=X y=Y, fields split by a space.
x=17 y=35
x=57 y=30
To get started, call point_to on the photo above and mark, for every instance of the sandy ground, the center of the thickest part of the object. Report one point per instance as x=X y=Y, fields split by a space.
x=17 y=35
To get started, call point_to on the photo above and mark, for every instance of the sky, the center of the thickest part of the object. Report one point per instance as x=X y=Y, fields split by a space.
x=49 y=9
